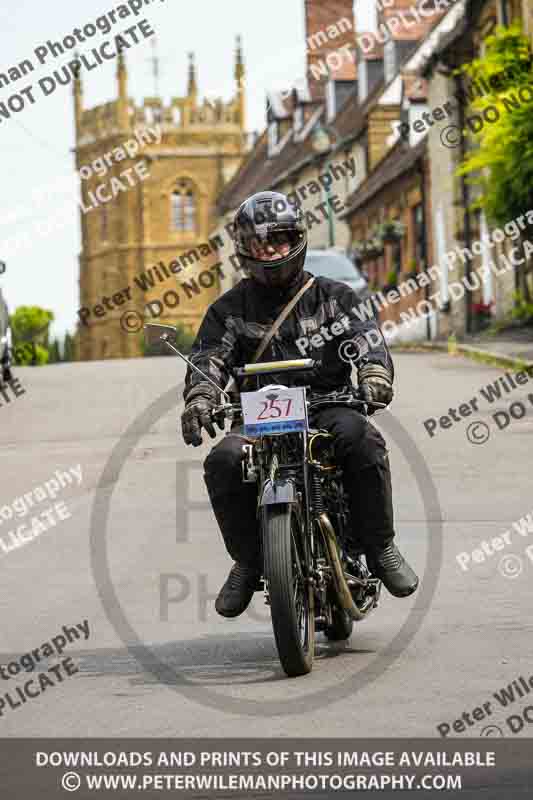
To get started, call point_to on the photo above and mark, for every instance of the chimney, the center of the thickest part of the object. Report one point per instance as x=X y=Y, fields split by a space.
x=330 y=40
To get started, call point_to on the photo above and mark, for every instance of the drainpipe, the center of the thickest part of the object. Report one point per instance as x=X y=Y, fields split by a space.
x=424 y=241
x=465 y=202
x=504 y=12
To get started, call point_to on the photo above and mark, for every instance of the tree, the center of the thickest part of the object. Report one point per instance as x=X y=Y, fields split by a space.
x=184 y=342
x=502 y=164
x=184 y=339
x=68 y=348
x=31 y=324
x=54 y=352
x=30 y=355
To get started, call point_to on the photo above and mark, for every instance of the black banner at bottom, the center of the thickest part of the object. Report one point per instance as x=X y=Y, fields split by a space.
x=217 y=768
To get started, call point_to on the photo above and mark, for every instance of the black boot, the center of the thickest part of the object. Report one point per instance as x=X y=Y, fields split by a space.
x=235 y=595
x=388 y=564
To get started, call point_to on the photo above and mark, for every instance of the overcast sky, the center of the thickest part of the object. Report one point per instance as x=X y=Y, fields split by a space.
x=36 y=144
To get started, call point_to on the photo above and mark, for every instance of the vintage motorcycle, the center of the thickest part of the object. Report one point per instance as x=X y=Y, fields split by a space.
x=312 y=581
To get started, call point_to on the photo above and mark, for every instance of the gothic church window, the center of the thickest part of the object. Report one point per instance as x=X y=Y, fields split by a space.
x=183 y=207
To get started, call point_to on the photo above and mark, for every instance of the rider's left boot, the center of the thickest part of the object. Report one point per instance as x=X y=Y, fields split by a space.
x=387 y=563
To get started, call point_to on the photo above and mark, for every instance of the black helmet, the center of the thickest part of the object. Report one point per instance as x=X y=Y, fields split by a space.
x=270 y=239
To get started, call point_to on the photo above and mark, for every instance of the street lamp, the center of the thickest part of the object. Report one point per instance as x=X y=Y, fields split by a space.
x=323 y=139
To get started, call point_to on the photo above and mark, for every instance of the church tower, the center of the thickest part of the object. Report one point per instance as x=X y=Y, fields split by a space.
x=133 y=228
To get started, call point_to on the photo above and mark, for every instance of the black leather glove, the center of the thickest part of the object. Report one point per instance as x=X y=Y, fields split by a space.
x=375 y=383
x=197 y=415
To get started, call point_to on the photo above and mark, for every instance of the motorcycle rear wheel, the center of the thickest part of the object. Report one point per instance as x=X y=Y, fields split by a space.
x=291 y=595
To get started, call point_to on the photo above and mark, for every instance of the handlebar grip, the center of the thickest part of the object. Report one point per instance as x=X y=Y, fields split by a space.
x=271 y=367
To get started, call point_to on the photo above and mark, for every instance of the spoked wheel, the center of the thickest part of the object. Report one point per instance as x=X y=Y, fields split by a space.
x=291 y=596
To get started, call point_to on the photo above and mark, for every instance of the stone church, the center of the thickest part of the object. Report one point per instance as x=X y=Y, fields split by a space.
x=150 y=213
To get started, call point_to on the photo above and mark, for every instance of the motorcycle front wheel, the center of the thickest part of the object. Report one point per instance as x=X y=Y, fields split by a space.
x=290 y=593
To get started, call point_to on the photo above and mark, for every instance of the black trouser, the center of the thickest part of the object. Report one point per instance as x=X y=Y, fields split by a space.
x=360 y=451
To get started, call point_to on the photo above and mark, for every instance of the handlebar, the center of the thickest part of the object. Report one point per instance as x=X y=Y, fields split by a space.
x=270 y=367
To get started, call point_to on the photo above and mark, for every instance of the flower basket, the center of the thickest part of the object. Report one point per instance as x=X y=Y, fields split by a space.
x=373 y=248
x=390 y=231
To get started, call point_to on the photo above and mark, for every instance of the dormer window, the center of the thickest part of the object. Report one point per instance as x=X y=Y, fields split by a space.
x=389 y=52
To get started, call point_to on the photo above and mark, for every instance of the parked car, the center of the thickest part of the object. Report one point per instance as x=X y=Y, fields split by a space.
x=5 y=341
x=336 y=265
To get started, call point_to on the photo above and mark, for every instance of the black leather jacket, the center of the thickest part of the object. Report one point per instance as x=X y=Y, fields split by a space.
x=236 y=322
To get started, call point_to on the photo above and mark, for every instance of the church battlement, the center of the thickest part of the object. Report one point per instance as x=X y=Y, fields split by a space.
x=186 y=113
x=98 y=123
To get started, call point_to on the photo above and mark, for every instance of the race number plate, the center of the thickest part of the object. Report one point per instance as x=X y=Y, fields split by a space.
x=274 y=409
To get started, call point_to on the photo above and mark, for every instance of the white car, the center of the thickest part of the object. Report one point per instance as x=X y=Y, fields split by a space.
x=336 y=265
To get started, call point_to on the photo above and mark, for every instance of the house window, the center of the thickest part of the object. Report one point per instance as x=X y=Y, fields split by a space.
x=389 y=54
x=362 y=86
x=298 y=119
x=183 y=208
x=419 y=236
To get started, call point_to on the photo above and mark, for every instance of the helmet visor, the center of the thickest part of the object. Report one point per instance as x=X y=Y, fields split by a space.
x=271 y=258
x=273 y=246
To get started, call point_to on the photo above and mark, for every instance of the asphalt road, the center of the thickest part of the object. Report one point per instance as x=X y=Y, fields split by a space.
x=414 y=664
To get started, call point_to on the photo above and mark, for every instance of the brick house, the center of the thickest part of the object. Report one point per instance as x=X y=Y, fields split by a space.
x=458 y=39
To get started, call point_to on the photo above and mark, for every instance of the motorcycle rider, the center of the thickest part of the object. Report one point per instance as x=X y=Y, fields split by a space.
x=5 y=342
x=270 y=243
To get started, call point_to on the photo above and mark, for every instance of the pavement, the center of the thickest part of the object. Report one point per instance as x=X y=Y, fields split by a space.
x=158 y=661
x=516 y=344
x=514 y=348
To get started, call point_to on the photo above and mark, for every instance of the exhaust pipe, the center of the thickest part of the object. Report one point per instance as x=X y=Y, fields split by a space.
x=343 y=590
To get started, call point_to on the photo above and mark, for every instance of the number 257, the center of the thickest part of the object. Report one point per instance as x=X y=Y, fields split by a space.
x=272 y=407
